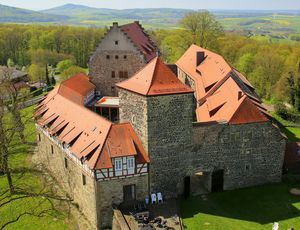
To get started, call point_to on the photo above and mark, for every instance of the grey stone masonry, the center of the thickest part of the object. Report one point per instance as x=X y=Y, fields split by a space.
x=115 y=59
x=250 y=154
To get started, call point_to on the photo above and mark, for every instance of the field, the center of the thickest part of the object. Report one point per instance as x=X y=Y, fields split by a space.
x=254 y=208
x=25 y=177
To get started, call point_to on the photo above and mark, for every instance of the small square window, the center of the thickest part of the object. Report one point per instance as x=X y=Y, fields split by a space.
x=125 y=56
x=66 y=163
x=116 y=57
x=247 y=167
x=83 y=179
x=107 y=57
x=116 y=42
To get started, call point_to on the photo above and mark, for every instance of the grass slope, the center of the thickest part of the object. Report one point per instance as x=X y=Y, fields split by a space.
x=254 y=208
x=29 y=180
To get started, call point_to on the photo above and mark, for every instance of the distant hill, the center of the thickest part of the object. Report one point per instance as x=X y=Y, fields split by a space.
x=280 y=23
x=97 y=16
x=17 y=15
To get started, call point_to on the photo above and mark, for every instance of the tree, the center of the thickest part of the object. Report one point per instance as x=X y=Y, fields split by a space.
x=10 y=120
x=71 y=71
x=204 y=27
x=246 y=63
x=65 y=64
x=36 y=73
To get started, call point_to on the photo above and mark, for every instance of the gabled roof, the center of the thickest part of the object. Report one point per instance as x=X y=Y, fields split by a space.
x=76 y=88
x=135 y=32
x=221 y=91
x=91 y=138
x=155 y=79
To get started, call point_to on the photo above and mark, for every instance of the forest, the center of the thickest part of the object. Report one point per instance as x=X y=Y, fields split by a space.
x=272 y=67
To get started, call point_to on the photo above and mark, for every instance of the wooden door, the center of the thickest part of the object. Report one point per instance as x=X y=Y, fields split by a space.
x=129 y=192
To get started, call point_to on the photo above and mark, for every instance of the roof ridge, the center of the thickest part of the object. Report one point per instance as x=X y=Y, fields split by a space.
x=156 y=59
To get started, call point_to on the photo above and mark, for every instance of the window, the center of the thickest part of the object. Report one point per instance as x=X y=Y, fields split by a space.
x=130 y=165
x=116 y=42
x=125 y=74
x=120 y=74
x=66 y=163
x=52 y=149
x=112 y=89
x=107 y=57
x=118 y=166
x=113 y=74
x=83 y=179
x=116 y=57
x=125 y=56
x=39 y=137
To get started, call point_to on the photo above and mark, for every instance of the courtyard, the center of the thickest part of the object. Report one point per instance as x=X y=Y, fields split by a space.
x=251 y=208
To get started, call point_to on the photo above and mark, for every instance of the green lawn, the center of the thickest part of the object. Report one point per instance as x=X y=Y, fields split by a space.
x=254 y=208
x=289 y=128
x=29 y=180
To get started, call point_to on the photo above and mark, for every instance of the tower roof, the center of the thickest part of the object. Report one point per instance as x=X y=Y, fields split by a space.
x=155 y=79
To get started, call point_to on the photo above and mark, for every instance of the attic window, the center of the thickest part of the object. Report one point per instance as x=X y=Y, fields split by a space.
x=116 y=42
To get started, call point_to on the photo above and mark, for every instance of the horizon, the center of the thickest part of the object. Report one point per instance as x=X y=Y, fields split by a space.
x=255 y=5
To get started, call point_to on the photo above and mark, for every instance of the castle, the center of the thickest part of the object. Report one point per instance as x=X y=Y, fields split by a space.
x=134 y=127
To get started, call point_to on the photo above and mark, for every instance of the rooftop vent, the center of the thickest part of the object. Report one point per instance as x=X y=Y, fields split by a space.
x=240 y=94
x=199 y=57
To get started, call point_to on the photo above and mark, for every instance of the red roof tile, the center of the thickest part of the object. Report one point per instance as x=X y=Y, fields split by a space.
x=91 y=137
x=218 y=86
x=155 y=79
x=76 y=88
x=140 y=39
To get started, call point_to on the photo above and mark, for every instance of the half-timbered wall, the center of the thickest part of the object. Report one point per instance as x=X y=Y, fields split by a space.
x=112 y=173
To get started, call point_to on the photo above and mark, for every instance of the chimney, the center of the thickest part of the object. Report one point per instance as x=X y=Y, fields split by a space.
x=240 y=94
x=199 y=57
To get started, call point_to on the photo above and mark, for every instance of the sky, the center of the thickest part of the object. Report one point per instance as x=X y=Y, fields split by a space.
x=187 y=4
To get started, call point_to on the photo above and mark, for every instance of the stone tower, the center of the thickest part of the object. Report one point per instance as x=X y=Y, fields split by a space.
x=160 y=108
x=121 y=53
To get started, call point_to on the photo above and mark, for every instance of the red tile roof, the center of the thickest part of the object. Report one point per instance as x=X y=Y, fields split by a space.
x=76 y=88
x=92 y=138
x=140 y=39
x=223 y=94
x=155 y=79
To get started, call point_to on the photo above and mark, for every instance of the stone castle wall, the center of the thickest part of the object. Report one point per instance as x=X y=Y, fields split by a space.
x=101 y=69
x=249 y=154
x=70 y=178
x=111 y=192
